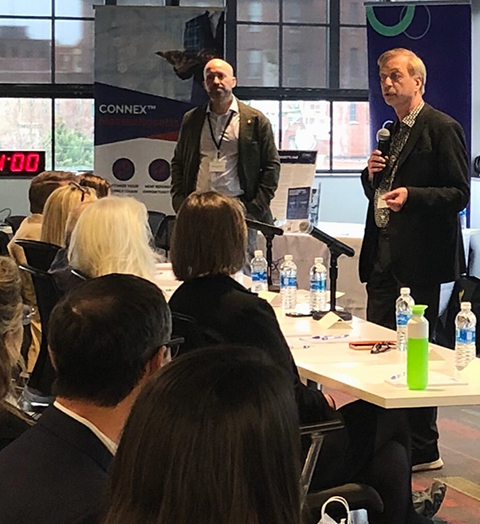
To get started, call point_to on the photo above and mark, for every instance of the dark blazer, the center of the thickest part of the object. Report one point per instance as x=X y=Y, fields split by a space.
x=54 y=473
x=258 y=160
x=227 y=313
x=11 y=427
x=425 y=235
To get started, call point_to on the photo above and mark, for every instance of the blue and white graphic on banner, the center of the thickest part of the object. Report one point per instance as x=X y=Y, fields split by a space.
x=441 y=36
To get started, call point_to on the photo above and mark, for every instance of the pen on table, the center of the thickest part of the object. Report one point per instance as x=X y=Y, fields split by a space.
x=399 y=375
x=326 y=337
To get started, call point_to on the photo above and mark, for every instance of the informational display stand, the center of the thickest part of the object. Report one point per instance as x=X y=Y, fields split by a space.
x=148 y=72
x=293 y=198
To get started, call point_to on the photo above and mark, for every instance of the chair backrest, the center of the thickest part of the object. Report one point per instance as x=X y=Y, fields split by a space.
x=39 y=255
x=4 y=240
x=155 y=218
x=14 y=221
x=47 y=294
x=186 y=327
x=164 y=233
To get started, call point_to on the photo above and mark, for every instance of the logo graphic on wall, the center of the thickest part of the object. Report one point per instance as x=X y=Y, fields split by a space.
x=421 y=15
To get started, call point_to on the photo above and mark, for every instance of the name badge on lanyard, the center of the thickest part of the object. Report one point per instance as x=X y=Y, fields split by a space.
x=218 y=165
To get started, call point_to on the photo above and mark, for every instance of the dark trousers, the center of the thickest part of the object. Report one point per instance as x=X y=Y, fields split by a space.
x=383 y=288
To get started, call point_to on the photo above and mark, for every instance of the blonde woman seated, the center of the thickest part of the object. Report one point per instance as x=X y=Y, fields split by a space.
x=112 y=235
x=12 y=422
x=57 y=209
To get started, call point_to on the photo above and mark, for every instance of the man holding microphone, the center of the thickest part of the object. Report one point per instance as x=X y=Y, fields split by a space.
x=412 y=233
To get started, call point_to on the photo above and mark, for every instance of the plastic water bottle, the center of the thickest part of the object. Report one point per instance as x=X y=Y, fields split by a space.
x=288 y=284
x=465 y=324
x=318 y=285
x=259 y=272
x=417 y=349
x=403 y=312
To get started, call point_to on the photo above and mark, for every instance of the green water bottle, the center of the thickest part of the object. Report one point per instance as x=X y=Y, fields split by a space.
x=417 y=349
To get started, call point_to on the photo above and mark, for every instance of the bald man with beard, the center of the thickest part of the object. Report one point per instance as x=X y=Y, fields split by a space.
x=226 y=146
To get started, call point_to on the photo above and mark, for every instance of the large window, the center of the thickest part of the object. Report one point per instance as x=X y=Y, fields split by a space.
x=46 y=72
x=302 y=62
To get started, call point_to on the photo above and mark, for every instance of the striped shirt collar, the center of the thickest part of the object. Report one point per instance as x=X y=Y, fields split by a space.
x=410 y=119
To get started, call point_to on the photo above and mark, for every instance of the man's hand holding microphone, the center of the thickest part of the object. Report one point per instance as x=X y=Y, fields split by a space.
x=377 y=162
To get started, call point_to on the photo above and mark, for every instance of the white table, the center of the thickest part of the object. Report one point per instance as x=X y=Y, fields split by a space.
x=359 y=373
x=362 y=374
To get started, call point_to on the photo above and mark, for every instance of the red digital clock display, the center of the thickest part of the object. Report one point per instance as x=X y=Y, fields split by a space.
x=21 y=163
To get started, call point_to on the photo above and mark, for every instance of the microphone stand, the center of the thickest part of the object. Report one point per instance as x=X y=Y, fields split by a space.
x=269 y=232
x=336 y=248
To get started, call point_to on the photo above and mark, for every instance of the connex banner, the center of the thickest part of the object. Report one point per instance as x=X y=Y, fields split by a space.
x=148 y=72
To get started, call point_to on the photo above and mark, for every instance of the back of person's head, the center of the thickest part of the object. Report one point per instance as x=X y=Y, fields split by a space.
x=11 y=328
x=43 y=185
x=59 y=205
x=210 y=236
x=97 y=183
x=212 y=439
x=113 y=236
x=103 y=334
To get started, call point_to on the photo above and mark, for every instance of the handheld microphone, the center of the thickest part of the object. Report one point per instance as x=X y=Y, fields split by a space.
x=266 y=229
x=383 y=145
x=383 y=140
x=332 y=243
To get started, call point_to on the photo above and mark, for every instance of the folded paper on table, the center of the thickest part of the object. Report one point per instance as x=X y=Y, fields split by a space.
x=435 y=379
x=332 y=324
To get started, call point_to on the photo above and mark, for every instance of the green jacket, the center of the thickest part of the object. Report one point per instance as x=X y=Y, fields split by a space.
x=258 y=160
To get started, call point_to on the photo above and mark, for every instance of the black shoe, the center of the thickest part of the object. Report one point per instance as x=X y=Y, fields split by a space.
x=426 y=459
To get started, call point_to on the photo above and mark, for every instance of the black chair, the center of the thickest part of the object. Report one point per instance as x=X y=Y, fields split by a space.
x=186 y=327
x=39 y=255
x=14 y=221
x=155 y=219
x=358 y=496
x=164 y=233
x=4 y=240
x=41 y=379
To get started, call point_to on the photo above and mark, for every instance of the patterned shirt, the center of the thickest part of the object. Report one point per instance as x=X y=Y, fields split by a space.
x=399 y=139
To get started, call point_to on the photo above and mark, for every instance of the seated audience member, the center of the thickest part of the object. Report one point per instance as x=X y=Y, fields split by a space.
x=113 y=236
x=97 y=183
x=41 y=187
x=12 y=422
x=208 y=247
x=212 y=439
x=57 y=209
x=60 y=268
x=107 y=337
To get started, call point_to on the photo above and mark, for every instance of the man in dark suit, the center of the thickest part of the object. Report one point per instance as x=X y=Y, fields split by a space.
x=412 y=235
x=106 y=338
x=226 y=146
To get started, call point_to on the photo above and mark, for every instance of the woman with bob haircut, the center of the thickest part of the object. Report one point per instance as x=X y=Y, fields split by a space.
x=212 y=439
x=57 y=209
x=12 y=422
x=112 y=235
x=208 y=246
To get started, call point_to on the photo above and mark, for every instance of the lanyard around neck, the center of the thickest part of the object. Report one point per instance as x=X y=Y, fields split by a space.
x=218 y=144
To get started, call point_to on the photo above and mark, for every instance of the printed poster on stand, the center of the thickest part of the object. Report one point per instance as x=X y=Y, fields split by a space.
x=148 y=72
